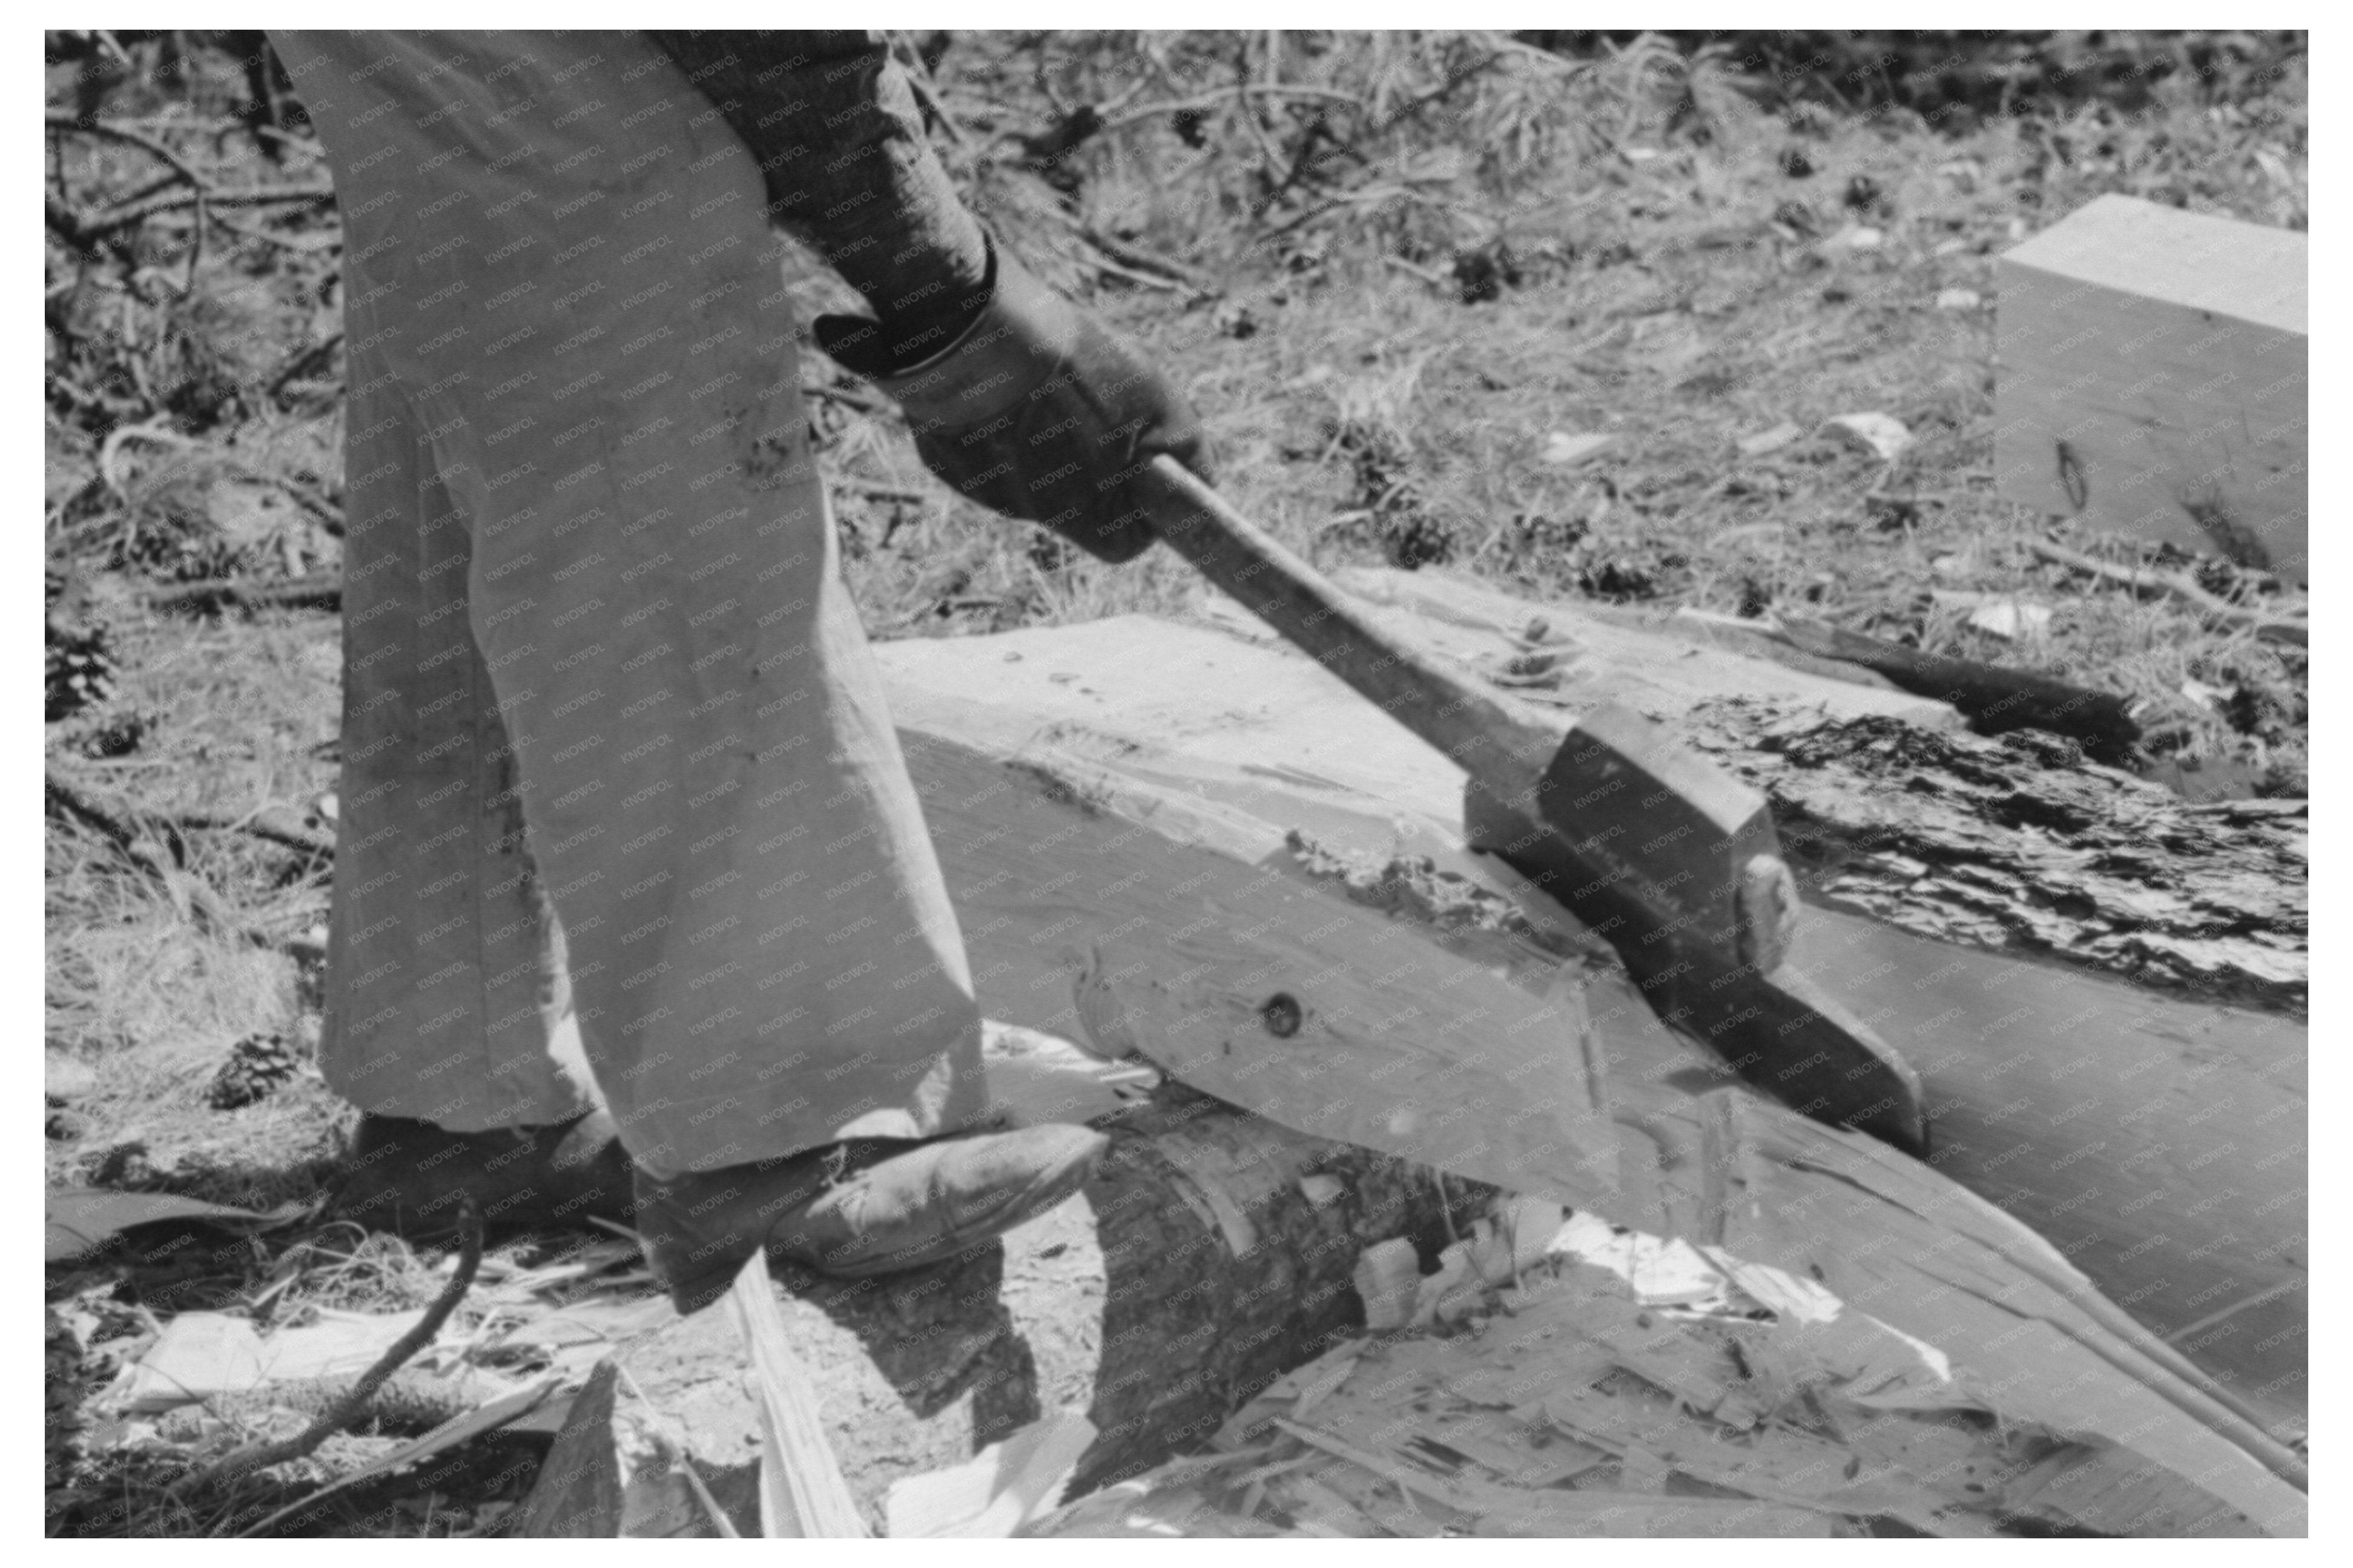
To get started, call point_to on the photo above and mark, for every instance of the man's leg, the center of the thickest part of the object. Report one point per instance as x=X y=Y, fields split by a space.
x=580 y=294
x=446 y=990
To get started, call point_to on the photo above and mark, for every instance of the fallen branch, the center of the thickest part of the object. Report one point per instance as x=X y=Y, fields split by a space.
x=125 y=825
x=2270 y=628
x=1208 y=101
x=274 y=824
x=83 y=230
x=322 y=591
x=119 y=819
x=355 y=1402
x=1996 y=697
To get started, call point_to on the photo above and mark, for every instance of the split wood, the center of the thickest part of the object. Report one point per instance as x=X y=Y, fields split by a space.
x=2270 y=628
x=355 y=1400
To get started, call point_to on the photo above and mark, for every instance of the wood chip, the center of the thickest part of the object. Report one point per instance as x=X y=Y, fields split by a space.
x=802 y=1492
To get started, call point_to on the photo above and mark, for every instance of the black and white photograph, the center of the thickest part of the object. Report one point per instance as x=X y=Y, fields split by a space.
x=1317 y=784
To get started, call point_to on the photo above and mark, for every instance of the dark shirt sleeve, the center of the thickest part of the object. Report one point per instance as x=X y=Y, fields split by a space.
x=832 y=121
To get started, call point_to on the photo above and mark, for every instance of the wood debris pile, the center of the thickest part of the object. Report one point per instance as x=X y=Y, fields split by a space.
x=1590 y=1404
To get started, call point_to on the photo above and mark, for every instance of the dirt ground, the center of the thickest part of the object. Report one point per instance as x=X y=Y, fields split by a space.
x=1399 y=320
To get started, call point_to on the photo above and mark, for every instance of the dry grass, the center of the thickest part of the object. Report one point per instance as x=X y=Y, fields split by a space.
x=1679 y=291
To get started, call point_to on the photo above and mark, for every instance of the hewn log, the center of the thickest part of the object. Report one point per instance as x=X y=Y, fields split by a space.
x=2152 y=1138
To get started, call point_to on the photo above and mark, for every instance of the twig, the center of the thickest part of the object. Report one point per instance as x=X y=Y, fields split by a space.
x=95 y=225
x=355 y=1402
x=320 y=590
x=113 y=130
x=926 y=88
x=899 y=493
x=306 y=245
x=1218 y=95
x=1105 y=265
x=1434 y=279
x=2270 y=628
x=79 y=229
x=120 y=821
x=118 y=818
x=271 y=823
x=1144 y=260
x=316 y=354
x=856 y=401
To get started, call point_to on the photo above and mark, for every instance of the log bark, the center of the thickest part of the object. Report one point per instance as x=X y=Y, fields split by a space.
x=1193 y=1272
x=2014 y=844
x=2017 y=844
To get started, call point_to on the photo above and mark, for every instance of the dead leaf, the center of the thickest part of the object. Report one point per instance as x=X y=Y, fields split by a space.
x=1883 y=434
x=1561 y=448
x=80 y=1218
x=2013 y=619
x=1771 y=440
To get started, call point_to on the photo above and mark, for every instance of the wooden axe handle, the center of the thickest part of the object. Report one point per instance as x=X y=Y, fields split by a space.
x=1506 y=751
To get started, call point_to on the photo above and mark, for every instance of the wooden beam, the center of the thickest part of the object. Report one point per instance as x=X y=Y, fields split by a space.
x=2151 y=1138
x=2153 y=379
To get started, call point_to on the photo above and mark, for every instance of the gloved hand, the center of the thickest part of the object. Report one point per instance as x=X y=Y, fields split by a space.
x=1035 y=410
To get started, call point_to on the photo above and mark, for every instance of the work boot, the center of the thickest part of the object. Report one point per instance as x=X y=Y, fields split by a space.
x=407 y=1176
x=868 y=1206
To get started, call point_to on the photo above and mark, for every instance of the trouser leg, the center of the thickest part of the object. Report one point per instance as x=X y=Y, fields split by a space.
x=447 y=1001
x=559 y=251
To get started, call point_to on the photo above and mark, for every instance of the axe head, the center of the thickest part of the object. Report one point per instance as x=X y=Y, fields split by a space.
x=1675 y=864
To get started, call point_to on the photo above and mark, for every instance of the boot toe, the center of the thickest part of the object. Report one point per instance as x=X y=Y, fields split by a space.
x=943 y=1199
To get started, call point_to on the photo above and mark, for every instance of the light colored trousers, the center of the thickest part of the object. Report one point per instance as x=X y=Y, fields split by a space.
x=623 y=816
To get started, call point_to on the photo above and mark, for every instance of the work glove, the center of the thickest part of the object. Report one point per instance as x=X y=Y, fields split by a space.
x=1034 y=410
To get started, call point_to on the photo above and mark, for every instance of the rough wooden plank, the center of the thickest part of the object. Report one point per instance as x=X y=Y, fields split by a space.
x=2153 y=379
